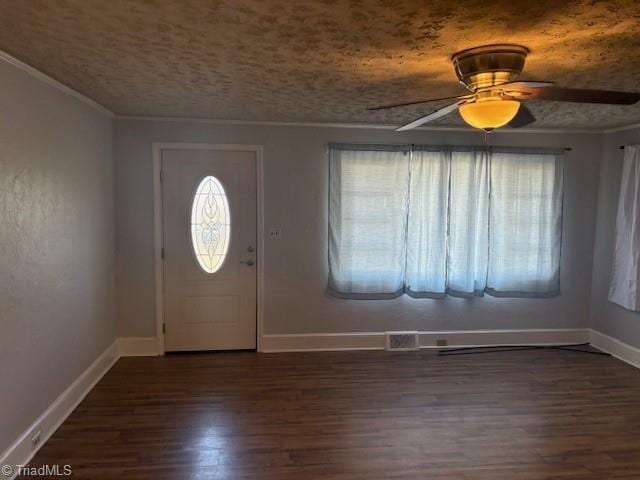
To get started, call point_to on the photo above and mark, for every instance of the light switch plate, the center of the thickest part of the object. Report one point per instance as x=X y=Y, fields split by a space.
x=275 y=234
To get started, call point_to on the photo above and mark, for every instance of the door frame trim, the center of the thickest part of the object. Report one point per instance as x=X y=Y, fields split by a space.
x=158 y=147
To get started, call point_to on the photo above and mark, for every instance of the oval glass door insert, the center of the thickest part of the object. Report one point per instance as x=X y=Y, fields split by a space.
x=210 y=224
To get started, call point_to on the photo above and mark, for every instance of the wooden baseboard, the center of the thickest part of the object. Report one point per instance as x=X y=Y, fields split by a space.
x=22 y=450
x=376 y=340
x=615 y=347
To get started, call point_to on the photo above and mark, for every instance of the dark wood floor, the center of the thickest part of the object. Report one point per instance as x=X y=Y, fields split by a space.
x=357 y=415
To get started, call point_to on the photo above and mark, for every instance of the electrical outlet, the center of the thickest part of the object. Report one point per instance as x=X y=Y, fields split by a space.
x=275 y=234
x=35 y=439
x=441 y=342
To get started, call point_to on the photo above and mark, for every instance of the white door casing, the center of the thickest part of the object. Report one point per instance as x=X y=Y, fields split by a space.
x=201 y=310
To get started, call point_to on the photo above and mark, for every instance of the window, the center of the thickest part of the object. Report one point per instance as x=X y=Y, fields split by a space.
x=210 y=224
x=432 y=221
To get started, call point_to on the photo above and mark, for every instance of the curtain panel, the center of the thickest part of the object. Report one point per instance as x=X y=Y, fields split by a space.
x=431 y=221
x=625 y=275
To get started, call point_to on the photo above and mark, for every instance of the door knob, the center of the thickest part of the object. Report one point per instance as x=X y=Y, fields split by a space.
x=248 y=263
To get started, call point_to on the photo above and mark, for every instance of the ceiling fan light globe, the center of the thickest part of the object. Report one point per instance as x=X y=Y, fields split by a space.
x=489 y=114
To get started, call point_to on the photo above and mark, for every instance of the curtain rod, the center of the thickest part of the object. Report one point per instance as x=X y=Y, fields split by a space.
x=402 y=146
x=566 y=149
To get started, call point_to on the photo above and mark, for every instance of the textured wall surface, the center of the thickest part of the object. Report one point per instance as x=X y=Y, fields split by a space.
x=57 y=249
x=296 y=190
x=318 y=60
x=607 y=317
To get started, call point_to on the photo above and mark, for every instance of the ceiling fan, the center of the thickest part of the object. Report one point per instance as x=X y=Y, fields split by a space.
x=495 y=96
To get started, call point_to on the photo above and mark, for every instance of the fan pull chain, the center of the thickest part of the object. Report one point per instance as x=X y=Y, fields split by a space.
x=486 y=138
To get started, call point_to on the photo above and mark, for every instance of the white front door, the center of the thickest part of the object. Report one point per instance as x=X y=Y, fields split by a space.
x=209 y=241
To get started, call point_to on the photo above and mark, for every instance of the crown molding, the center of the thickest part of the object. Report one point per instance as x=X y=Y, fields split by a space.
x=54 y=83
x=374 y=126
x=270 y=123
x=632 y=126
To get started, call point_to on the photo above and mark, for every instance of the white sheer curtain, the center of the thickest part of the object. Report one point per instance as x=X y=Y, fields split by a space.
x=427 y=228
x=625 y=275
x=447 y=231
x=525 y=224
x=432 y=221
x=467 y=255
x=368 y=219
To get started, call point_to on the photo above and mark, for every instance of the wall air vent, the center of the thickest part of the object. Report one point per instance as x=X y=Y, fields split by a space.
x=403 y=341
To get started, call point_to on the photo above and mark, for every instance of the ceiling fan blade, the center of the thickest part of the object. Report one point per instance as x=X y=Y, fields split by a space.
x=417 y=102
x=432 y=116
x=581 y=95
x=526 y=84
x=522 y=118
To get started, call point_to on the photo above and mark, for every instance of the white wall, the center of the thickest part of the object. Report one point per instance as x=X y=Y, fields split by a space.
x=607 y=317
x=296 y=183
x=57 y=245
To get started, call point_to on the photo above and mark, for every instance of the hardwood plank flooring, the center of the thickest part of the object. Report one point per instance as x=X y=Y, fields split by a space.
x=357 y=415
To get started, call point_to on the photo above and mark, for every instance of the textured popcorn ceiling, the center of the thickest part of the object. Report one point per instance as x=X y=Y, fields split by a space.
x=318 y=60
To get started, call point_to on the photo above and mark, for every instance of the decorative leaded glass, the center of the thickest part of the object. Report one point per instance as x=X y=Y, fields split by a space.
x=210 y=224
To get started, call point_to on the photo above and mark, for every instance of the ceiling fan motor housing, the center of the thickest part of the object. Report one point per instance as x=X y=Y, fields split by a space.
x=489 y=65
